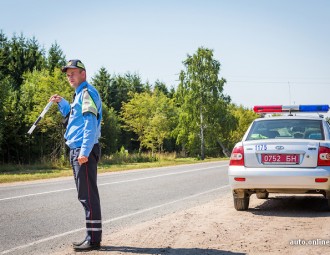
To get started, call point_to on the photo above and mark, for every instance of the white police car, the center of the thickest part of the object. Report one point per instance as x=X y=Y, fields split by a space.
x=282 y=154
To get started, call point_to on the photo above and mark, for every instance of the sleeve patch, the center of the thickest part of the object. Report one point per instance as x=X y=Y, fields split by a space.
x=88 y=104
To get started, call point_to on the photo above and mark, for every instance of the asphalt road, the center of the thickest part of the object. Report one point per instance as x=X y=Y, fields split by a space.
x=43 y=217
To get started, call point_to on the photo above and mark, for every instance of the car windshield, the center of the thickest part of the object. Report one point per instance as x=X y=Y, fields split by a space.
x=286 y=129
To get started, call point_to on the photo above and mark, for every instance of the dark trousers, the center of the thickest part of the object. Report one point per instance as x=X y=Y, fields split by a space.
x=86 y=182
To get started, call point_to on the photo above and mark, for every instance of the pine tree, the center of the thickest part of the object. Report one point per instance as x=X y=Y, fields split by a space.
x=56 y=58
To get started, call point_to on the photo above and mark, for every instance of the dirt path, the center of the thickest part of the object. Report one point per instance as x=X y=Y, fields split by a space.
x=217 y=228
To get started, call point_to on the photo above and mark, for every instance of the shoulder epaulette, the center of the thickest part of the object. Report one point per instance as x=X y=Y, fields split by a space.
x=88 y=104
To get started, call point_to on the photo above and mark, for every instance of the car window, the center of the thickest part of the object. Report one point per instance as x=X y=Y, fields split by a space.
x=286 y=129
x=328 y=128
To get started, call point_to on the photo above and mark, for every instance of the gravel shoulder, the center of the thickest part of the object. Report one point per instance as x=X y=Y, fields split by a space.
x=217 y=228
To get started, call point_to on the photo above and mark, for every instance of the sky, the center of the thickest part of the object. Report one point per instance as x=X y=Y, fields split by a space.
x=271 y=51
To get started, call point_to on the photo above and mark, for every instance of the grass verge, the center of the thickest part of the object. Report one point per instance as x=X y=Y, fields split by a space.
x=31 y=173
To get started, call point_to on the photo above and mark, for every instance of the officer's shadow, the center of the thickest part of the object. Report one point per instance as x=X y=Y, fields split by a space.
x=168 y=250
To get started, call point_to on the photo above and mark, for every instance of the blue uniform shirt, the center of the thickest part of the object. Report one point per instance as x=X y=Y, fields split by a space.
x=84 y=129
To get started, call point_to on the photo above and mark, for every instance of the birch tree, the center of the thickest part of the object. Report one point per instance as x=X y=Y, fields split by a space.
x=204 y=114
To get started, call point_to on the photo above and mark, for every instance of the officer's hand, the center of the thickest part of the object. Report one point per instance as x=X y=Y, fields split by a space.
x=82 y=160
x=55 y=98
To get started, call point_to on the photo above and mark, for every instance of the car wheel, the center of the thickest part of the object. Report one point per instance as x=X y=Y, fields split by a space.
x=241 y=204
x=263 y=195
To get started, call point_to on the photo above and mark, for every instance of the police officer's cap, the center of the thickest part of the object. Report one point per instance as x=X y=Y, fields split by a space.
x=74 y=63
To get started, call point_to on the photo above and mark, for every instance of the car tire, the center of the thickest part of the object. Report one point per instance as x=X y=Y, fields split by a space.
x=263 y=195
x=241 y=204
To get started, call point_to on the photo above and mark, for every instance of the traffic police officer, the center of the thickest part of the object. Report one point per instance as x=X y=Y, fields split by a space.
x=83 y=131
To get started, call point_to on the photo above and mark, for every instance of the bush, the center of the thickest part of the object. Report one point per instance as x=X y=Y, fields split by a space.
x=123 y=157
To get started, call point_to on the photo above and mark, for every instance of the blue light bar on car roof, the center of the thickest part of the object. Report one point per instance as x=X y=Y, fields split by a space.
x=314 y=108
x=290 y=108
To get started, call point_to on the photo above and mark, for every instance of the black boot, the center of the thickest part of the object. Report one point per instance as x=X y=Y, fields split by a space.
x=87 y=245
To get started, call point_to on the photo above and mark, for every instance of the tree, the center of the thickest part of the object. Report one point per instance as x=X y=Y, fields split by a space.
x=161 y=86
x=110 y=131
x=244 y=117
x=5 y=100
x=120 y=91
x=4 y=55
x=47 y=139
x=122 y=87
x=27 y=79
x=55 y=57
x=204 y=113
x=4 y=81
x=110 y=124
x=19 y=57
x=162 y=122
x=102 y=82
x=13 y=139
x=151 y=116
x=25 y=56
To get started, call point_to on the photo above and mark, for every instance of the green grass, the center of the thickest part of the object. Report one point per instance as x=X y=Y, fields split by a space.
x=19 y=173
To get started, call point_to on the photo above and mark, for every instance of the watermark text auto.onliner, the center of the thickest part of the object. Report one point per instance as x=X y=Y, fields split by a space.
x=311 y=242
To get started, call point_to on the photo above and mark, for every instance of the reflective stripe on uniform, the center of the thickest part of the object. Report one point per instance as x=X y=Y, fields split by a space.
x=94 y=229
x=88 y=104
x=93 y=221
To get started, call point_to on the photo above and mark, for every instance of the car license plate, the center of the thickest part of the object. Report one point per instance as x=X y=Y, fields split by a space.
x=280 y=158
